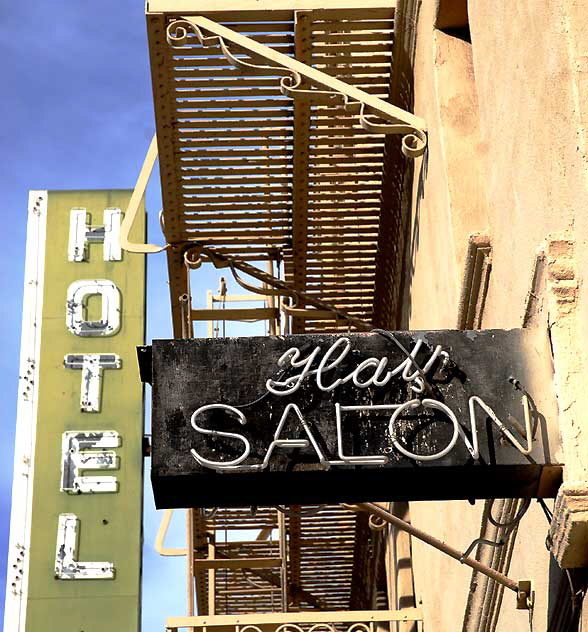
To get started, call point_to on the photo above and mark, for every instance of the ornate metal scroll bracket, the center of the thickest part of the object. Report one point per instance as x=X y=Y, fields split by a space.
x=375 y=114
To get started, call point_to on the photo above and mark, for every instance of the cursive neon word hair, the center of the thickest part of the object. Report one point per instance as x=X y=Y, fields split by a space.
x=334 y=356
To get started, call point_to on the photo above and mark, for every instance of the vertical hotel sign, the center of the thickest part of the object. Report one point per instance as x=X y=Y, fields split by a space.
x=75 y=534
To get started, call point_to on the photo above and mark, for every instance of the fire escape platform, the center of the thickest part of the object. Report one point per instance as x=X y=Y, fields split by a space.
x=258 y=9
x=259 y=171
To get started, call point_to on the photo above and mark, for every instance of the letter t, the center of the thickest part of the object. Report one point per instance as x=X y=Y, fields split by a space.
x=91 y=365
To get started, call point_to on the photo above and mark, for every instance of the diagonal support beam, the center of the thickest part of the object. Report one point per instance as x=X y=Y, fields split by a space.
x=522 y=588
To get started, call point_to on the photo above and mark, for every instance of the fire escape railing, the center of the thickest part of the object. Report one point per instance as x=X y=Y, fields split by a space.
x=349 y=621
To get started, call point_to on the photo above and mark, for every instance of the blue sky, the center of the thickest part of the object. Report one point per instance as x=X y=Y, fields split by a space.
x=77 y=114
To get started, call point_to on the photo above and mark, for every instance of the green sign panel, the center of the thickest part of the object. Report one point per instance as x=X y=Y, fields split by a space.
x=75 y=542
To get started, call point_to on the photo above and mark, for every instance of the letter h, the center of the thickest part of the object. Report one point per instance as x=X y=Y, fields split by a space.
x=81 y=233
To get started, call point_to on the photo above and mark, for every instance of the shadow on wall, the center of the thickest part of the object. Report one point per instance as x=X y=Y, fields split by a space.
x=567 y=588
x=397 y=181
x=414 y=242
x=452 y=18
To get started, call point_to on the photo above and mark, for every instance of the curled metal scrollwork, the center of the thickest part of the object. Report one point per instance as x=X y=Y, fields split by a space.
x=192 y=259
x=177 y=34
x=376 y=523
x=248 y=628
x=327 y=627
x=288 y=627
x=414 y=141
x=290 y=87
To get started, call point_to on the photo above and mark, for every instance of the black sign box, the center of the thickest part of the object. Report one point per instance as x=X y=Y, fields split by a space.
x=330 y=418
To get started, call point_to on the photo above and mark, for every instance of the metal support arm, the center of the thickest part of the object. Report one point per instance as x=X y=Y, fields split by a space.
x=522 y=588
x=135 y=202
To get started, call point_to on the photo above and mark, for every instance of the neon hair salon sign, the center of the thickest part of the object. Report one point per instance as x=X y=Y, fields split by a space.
x=314 y=417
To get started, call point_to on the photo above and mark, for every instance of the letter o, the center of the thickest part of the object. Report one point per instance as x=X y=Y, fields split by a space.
x=77 y=293
x=426 y=403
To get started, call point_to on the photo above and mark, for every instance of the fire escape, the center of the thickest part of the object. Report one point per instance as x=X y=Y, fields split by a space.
x=276 y=135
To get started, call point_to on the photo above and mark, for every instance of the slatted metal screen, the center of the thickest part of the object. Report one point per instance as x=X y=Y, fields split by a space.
x=260 y=175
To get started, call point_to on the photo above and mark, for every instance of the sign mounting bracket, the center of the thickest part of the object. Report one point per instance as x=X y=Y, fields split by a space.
x=522 y=588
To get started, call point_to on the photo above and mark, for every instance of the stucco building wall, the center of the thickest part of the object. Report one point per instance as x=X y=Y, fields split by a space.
x=507 y=158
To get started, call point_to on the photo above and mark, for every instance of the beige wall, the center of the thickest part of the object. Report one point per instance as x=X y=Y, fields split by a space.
x=507 y=157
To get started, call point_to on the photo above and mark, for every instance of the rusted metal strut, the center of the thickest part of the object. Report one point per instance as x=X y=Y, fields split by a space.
x=521 y=588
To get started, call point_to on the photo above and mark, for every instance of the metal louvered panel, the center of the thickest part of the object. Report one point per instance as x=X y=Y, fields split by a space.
x=321 y=558
x=326 y=566
x=337 y=228
x=230 y=138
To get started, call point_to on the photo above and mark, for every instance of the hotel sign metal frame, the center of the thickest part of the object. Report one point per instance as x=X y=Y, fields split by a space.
x=79 y=431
